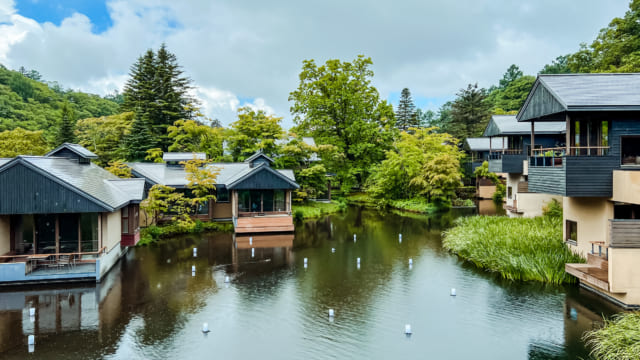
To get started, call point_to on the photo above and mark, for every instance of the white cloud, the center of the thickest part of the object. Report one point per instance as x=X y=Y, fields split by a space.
x=254 y=49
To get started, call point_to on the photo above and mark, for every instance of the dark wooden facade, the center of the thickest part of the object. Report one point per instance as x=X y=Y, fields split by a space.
x=507 y=163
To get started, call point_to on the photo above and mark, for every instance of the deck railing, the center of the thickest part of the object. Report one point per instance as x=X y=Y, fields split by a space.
x=552 y=157
x=497 y=154
x=59 y=260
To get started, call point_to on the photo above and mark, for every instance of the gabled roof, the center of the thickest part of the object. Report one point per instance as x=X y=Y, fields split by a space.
x=75 y=148
x=482 y=143
x=258 y=155
x=501 y=125
x=90 y=181
x=284 y=175
x=555 y=94
x=157 y=173
x=183 y=156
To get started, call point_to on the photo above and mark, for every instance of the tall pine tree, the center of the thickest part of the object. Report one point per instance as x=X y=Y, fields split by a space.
x=140 y=139
x=406 y=116
x=469 y=113
x=66 y=124
x=158 y=91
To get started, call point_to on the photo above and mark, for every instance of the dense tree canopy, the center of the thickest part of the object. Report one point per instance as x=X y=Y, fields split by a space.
x=193 y=136
x=104 y=136
x=22 y=142
x=253 y=131
x=470 y=112
x=337 y=105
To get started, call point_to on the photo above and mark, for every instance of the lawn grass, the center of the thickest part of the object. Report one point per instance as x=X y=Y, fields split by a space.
x=313 y=209
x=618 y=339
x=527 y=249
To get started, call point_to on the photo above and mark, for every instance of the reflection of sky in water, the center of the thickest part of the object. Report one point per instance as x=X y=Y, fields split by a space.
x=150 y=306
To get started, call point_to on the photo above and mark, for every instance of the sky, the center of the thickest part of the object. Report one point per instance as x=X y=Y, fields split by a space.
x=250 y=52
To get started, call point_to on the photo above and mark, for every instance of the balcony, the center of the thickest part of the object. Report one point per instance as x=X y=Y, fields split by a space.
x=624 y=233
x=507 y=161
x=576 y=172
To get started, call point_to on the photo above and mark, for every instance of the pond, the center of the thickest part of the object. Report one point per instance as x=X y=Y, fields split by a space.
x=151 y=305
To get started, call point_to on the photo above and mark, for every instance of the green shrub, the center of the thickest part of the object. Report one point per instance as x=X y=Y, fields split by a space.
x=153 y=233
x=517 y=248
x=553 y=209
x=298 y=215
x=498 y=195
x=618 y=339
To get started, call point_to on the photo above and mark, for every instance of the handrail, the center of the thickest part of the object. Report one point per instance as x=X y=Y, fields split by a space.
x=96 y=253
x=572 y=151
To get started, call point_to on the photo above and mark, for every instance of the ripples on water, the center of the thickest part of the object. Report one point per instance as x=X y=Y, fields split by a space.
x=150 y=306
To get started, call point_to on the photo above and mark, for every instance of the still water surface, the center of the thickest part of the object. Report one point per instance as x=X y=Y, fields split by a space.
x=151 y=306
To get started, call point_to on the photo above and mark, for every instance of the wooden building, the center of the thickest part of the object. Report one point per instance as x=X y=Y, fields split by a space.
x=596 y=171
x=252 y=194
x=63 y=218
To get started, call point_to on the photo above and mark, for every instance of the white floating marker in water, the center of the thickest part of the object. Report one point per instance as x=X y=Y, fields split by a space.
x=410 y=262
x=354 y=237
x=31 y=340
x=195 y=252
x=253 y=252
x=331 y=313
x=193 y=268
x=305 y=261
x=407 y=329
x=32 y=312
x=226 y=279
x=453 y=291
x=32 y=348
x=250 y=240
x=333 y=250
x=358 y=261
x=400 y=238
x=205 y=328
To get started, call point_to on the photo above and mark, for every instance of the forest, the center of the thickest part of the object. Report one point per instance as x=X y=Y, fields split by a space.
x=361 y=140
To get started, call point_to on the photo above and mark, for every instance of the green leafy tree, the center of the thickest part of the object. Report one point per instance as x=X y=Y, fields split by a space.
x=154 y=155
x=253 y=131
x=105 y=135
x=513 y=73
x=469 y=113
x=406 y=112
x=483 y=172
x=119 y=169
x=192 y=136
x=558 y=66
x=22 y=142
x=337 y=105
x=615 y=49
x=425 y=118
x=424 y=164
x=512 y=97
x=159 y=199
x=66 y=125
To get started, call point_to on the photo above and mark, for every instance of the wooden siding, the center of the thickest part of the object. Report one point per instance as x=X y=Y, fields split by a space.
x=587 y=176
x=523 y=187
x=495 y=165
x=262 y=180
x=222 y=210
x=25 y=191
x=509 y=163
x=621 y=126
x=541 y=103
x=547 y=180
x=263 y=224
x=624 y=233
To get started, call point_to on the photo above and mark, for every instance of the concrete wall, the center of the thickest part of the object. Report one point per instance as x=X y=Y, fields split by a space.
x=624 y=274
x=592 y=216
x=111 y=229
x=5 y=234
x=626 y=186
x=512 y=181
x=531 y=204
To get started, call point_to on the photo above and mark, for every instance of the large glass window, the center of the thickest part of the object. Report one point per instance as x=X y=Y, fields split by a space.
x=89 y=232
x=572 y=231
x=203 y=208
x=244 y=201
x=278 y=200
x=68 y=232
x=23 y=228
x=630 y=150
x=222 y=194
x=267 y=200
x=46 y=233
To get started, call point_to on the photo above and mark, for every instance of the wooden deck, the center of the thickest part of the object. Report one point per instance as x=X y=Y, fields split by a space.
x=595 y=272
x=264 y=224
x=264 y=241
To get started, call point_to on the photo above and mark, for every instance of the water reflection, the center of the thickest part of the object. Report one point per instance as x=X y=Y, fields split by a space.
x=150 y=305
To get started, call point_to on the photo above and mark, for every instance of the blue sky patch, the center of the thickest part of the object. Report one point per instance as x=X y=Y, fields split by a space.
x=56 y=11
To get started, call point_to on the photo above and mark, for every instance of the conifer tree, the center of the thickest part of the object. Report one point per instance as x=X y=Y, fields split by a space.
x=469 y=112
x=406 y=113
x=140 y=139
x=66 y=125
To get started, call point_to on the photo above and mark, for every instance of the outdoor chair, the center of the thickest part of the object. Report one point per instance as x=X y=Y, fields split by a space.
x=66 y=260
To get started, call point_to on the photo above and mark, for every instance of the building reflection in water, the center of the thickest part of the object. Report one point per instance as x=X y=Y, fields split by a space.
x=275 y=249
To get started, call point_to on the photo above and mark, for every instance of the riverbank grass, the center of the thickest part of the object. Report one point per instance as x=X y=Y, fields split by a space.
x=313 y=209
x=417 y=205
x=618 y=339
x=153 y=233
x=527 y=249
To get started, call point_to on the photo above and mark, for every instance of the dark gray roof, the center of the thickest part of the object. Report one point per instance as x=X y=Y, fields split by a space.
x=258 y=155
x=286 y=175
x=183 y=156
x=77 y=149
x=482 y=143
x=552 y=94
x=158 y=173
x=95 y=183
x=501 y=125
x=4 y=161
